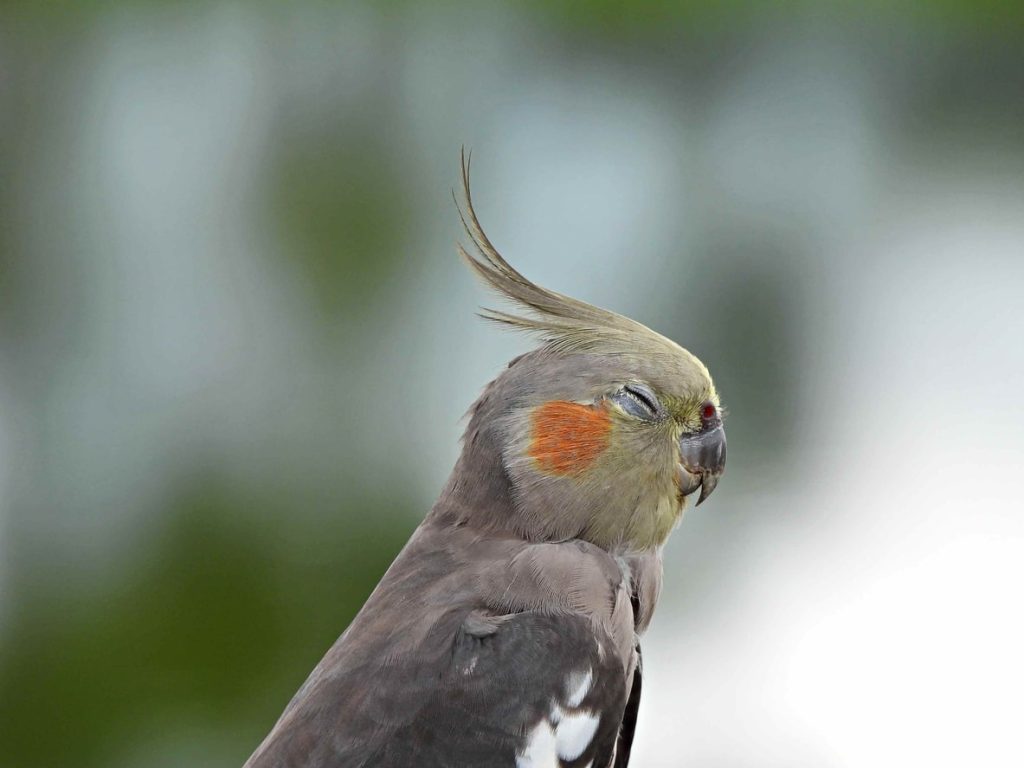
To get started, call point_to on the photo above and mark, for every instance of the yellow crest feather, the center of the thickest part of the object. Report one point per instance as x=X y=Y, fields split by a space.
x=564 y=323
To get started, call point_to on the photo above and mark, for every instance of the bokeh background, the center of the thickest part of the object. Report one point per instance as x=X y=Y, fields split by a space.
x=236 y=346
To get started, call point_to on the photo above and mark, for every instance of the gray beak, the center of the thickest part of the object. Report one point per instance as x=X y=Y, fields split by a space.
x=702 y=458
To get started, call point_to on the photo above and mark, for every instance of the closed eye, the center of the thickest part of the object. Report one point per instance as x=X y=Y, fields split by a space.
x=637 y=400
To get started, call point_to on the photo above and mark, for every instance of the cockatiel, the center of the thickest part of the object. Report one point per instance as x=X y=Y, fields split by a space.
x=506 y=632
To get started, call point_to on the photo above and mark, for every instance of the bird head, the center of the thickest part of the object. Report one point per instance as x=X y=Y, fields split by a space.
x=605 y=433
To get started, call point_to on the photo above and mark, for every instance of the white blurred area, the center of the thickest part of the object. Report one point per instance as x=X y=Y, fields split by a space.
x=882 y=627
x=855 y=602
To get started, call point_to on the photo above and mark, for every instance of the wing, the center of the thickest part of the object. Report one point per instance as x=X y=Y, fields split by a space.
x=523 y=690
x=628 y=729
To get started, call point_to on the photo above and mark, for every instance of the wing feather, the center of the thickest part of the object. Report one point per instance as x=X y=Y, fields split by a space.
x=531 y=689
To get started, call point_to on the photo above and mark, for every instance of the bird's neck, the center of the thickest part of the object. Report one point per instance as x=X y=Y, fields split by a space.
x=478 y=492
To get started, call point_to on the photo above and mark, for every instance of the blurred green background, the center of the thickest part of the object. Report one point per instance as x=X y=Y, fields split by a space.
x=236 y=345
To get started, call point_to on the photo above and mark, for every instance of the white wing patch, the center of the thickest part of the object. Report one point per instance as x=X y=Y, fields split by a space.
x=541 y=748
x=574 y=733
x=579 y=687
x=562 y=735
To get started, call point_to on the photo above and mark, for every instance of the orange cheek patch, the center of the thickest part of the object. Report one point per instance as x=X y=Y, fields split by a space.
x=566 y=437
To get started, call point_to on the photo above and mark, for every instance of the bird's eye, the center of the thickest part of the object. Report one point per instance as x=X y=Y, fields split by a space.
x=637 y=400
x=708 y=412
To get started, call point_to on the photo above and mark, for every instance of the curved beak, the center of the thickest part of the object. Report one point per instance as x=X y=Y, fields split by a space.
x=702 y=461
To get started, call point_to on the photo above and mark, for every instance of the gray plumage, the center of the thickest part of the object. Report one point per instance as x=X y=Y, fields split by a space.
x=506 y=631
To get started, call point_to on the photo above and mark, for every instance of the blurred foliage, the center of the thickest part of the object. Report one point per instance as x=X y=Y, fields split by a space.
x=612 y=18
x=342 y=216
x=216 y=626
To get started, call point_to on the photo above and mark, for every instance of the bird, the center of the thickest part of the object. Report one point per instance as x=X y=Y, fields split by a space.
x=507 y=630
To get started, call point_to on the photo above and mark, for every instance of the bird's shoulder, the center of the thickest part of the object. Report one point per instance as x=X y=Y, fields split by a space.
x=474 y=646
